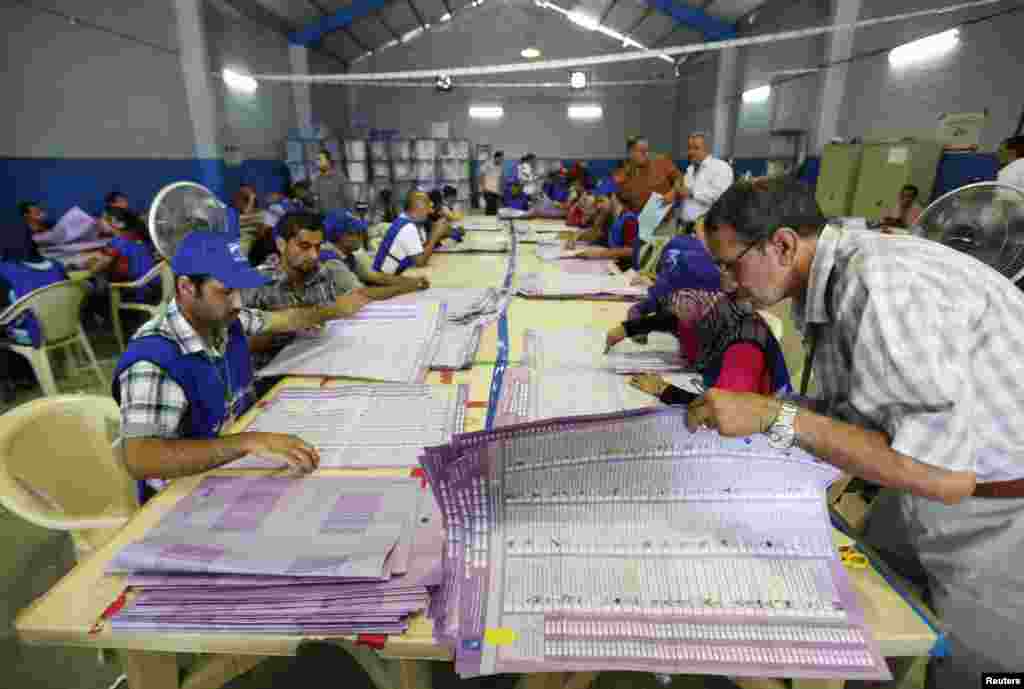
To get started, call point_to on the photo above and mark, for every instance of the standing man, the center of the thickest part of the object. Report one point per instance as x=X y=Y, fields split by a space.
x=1011 y=154
x=643 y=175
x=707 y=178
x=914 y=348
x=328 y=192
x=528 y=176
x=187 y=374
x=406 y=245
x=490 y=182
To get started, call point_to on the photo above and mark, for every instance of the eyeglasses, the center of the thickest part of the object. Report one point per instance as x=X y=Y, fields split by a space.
x=730 y=266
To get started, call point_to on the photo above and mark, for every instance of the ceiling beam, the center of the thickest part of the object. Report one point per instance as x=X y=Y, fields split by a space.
x=256 y=12
x=608 y=10
x=664 y=39
x=394 y=34
x=355 y=39
x=448 y=8
x=416 y=13
x=712 y=28
x=636 y=25
x=336 y=21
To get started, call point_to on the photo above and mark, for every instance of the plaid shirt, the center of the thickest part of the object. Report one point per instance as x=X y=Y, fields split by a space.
x=318 y=289
x=152 y=404
x=921 y=342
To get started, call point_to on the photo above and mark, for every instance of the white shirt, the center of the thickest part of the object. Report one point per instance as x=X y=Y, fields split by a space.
x=527 y=179
x=705 y=181
x=409 y=242
x=1013 y=174
x=491 y=174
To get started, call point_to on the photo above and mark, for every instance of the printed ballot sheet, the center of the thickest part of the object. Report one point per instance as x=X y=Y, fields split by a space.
x=652 y=215
x=625 y=542
x=280 y=525
x=360 y=426
x=567 y=285
x=386 y=342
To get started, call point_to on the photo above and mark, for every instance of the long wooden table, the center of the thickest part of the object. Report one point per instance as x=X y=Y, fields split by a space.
x=70 y=613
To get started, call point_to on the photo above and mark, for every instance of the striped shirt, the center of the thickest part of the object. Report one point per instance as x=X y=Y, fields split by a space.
x=921 y=342
x=317 y=290
x=152 y=404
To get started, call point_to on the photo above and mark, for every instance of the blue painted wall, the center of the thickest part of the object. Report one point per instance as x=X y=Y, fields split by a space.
x=60 y=184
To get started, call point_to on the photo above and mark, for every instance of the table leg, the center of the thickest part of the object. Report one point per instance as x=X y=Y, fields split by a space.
x=415 y=674
x=754 y=683
x=819 y=683
x=542 y=680
x=149 y=669
x=580 y=680
x=214 y=671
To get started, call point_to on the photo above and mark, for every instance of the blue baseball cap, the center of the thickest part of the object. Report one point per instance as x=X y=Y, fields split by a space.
x=607 y=187
x=218 y=255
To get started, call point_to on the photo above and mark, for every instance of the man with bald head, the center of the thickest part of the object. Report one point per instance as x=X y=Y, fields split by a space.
x=406 y=243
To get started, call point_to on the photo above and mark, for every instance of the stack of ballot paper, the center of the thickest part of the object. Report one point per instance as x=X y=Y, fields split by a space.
x=564 y=285
x=625 y=542
x=74 y=227
x=480 y=243
x=468 y=312
x=384 y=341
x=320 y=555
x=354 y=425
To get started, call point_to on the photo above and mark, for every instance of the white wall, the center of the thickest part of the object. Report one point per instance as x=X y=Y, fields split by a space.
x=74 y=92
x=257 y=123
x=535 y=120
x=984 y=72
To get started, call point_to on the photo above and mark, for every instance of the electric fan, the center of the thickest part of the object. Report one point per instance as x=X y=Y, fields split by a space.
x=180 y=208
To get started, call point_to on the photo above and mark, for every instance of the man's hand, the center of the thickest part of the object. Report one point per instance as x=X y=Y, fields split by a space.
x=649 y=383
x=349 y=304
x=614 y=337
x=440 y=230
x=593 y=252
x=421 y=283
x=297 y=453
x=733 y=414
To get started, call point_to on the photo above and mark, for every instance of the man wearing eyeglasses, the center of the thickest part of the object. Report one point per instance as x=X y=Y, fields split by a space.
x=914 y=347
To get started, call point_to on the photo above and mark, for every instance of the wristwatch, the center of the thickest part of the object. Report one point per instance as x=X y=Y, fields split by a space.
x=781 y=433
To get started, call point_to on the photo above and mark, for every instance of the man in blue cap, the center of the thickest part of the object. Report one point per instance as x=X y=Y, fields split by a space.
x=352 y=267
x=186 y=374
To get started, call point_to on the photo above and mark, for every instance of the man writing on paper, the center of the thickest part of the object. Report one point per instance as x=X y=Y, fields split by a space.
x=187 y=374
x=707 y=178
x=914 y=352
x=352 y=268
x=405 y=244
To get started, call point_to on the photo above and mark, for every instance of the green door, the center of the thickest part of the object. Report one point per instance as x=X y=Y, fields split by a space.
x=840 y=167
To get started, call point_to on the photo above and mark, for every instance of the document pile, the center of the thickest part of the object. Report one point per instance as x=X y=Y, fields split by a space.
x=354 y=425
x=388 y=342
x=280 y=555
x=624 y=542
x=468 y=312
x=564 y=285
x=480 y=243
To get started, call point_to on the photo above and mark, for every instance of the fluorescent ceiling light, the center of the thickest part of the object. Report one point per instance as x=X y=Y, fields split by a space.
x=486 y=112
x=530 y=53
x=446 y=17
x=924 y=49
x=391 y=44
x=239 y=82
x=586 y=21
x=758 y=95
x=585 y=112
x=409 y=35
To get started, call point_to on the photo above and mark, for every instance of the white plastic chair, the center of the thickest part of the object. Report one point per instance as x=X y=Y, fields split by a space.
x=57 y=308
x=58 y=469
x=161 y=270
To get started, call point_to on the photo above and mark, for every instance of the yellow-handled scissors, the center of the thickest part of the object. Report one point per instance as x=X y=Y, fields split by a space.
x=853 y=558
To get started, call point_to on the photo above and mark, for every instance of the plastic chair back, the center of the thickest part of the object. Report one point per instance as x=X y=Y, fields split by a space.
x=57 y=307
x=58 y=468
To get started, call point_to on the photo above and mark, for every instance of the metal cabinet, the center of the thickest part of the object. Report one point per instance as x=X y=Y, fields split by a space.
x=837 y=182
x=885 y=168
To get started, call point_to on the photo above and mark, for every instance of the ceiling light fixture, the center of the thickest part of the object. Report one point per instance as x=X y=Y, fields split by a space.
x=443 y=83
x=585 y=112
x=924 y=49
x=586 y=21
x=577 y=80
x=530 y=53
x=237 y=81
x=758 y=95
x=486 y=112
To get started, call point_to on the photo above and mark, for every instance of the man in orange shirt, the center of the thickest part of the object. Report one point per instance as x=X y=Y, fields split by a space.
x=642 y=175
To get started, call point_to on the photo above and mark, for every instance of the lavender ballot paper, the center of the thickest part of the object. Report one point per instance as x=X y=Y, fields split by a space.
x=624 y=542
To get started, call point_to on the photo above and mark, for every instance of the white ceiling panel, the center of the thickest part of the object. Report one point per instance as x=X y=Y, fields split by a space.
x=624 y=15
x=653 y=28
x=370 y=31
x=298 y=12
x=340 y=44
x=400 y=17
x=431 y=10
x=732 y=9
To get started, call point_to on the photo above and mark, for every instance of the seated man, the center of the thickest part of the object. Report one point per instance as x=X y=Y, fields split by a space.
x=352 y=267
x=187 y=374
x=128 y=257
x=623 y=237
x=581 y=212
x=297 y=278
x=34 y=217
x=907 y=210
x=603 y=217
x=405 y=244
x=515 y=197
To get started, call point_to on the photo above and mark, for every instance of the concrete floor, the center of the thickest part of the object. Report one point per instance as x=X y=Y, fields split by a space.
x=34 y=559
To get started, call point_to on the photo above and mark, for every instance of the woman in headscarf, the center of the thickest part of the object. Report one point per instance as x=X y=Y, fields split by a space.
x=723 y=339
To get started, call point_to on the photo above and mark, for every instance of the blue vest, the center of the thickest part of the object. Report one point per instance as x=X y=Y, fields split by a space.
x=337 y=223
x=617 y=235
x=557 y=191
x=140 y=262
x=384 y=250
x=234 y=222
x=22 y=279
